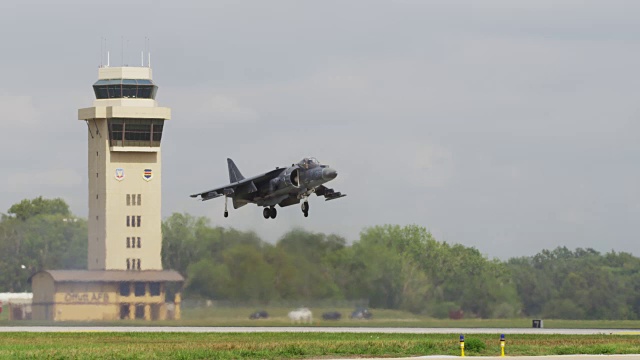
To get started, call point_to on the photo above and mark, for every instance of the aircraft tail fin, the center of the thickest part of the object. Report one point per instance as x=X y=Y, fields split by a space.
x=234 y=174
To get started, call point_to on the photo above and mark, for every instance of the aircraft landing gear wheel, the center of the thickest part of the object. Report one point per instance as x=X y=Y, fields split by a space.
x=226 y=214
x=306 y=214
x=266 y=213
x=305 y=206
x=273 y=212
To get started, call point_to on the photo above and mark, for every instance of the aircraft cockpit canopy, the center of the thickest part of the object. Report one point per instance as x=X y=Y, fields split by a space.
x=309 y=163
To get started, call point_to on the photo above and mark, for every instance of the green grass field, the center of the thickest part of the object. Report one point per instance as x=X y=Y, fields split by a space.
x=96 y=345
x=382 y=318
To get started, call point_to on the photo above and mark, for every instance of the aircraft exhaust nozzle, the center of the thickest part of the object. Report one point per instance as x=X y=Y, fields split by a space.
x=329 y=173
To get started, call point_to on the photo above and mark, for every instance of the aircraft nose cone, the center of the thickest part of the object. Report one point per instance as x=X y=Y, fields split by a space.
x=329 y=174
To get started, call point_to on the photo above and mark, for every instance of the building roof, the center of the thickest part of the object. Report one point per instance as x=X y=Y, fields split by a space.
x=113 y=275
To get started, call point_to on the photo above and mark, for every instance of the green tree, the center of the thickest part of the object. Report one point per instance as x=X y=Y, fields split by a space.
x=39 y=234
x=181 y=241
x=388 y=268
x=312 y=256
x=27 y=209
x=580 y=284
x=209 y=280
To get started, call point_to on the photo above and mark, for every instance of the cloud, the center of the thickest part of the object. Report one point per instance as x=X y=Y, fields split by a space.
x=18 y=111
x=32 y=179
x=207 y=109
x=432 y=166
x=226 y=109
x=498 y=125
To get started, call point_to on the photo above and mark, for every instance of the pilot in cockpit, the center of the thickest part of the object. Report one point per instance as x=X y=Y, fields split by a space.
x=309 y=163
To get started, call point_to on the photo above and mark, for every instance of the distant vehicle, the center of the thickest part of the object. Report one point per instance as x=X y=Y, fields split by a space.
x=361 y=313
x=259 y=315
x=331 y=315
x=282 y=186
x=301 y=315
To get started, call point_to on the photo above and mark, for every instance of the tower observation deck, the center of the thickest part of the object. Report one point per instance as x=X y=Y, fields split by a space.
x=125 y=126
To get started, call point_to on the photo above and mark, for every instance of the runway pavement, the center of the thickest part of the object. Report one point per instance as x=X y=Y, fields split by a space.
x=247 y=329
x=550 y=357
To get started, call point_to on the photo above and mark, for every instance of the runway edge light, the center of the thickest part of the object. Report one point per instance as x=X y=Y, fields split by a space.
x=461 y=345
x=502 y=342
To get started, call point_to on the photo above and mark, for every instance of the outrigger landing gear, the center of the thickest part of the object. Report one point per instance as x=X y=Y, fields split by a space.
x=305 y=208
x=226 y=213
x=270 y=212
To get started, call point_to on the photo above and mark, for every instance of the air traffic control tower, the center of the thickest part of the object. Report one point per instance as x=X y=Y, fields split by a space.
x=124 y=279
x=124 y=134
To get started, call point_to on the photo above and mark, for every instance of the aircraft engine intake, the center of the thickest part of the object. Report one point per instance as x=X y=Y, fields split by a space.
x=292 y=177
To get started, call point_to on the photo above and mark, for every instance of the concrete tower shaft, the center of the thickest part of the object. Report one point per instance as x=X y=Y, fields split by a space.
x=125 y=126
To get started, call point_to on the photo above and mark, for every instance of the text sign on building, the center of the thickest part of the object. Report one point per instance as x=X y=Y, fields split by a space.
x=86 y=297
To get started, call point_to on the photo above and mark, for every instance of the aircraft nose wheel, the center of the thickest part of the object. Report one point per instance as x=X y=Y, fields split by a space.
x=266 y=213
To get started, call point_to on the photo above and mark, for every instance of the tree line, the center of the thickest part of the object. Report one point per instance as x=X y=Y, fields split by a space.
x=393 y=267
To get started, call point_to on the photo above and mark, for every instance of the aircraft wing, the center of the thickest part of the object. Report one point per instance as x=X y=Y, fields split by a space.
x=329 y=194
x=251 y=183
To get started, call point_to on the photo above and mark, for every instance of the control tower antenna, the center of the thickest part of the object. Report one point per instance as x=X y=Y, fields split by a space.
x=145 y=49
x=106 y=49
x=103 y=50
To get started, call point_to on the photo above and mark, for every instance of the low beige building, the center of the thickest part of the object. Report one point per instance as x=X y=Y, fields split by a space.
x=82 y=295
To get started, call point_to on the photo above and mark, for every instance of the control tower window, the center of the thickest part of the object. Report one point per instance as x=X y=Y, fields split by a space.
x=135 y=132
x=125 y=89
x=157 y=132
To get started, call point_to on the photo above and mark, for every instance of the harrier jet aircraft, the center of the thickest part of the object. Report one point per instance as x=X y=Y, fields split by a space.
x=282 y=186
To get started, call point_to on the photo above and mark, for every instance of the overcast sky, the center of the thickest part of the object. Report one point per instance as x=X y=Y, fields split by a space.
x=509 y=126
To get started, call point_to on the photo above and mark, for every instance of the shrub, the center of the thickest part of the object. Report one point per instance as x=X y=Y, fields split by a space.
x=474 y=344
x=504 y=311
x=441 y=310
